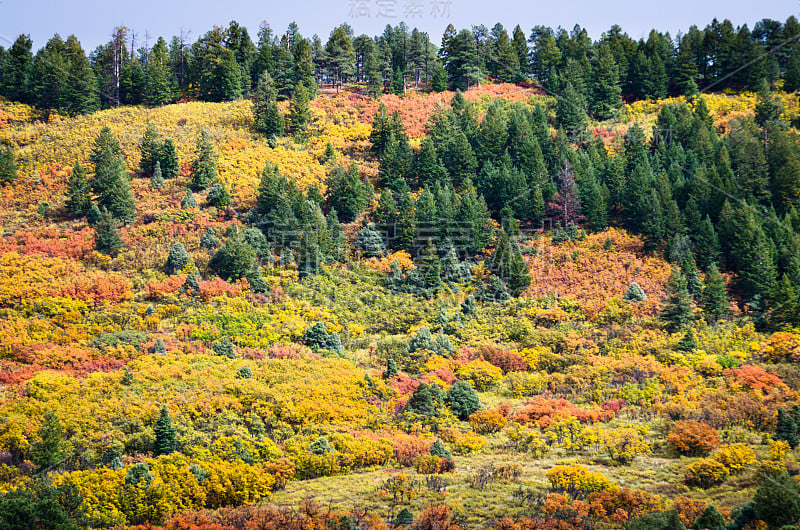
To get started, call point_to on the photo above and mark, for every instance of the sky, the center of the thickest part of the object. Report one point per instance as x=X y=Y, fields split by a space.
x=92 y=21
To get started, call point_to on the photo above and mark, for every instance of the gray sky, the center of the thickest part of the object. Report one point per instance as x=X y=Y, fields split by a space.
x=92 y=21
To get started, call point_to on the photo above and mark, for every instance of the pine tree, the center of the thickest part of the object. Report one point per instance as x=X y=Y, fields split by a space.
x=508 y=264
x=370 y=242
x=634 y=293
x=177 y=259
x=689 y=271
x=715 y=298
x=267 y=118
x=767 y=108
x=677 y=312
x=188 y=200
x=110 y=181
x=786 y=429
x=571 y=110
x=463 y=400
x=8 y=165
x=204 y=166
x=150 y=148
x=299 y=110
x=165 y=442
x=347 y=192
x=47 y=451
x=710 y=519
x=234 y=260
x=168 y=159
x=79 y=191
x=607 y=98
x=106 y=237
x=157 y=180
x=219 y=197
x=791 y=79
x=391 y=369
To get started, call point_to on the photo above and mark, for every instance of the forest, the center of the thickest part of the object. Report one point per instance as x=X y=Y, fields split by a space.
x=509 y=281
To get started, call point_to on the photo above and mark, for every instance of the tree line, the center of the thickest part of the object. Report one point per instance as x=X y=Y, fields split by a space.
x=226 y=63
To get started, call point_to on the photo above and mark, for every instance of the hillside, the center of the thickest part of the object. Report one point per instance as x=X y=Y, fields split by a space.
x=314 y=375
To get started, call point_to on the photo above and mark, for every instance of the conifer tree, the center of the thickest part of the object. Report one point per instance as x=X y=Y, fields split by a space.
x=110 y=182
x=165 y=442
x=150 y=148
x=347 y=192
x=508 y=264
x=715 y=298
x=157 y=180
x=188 y=200
x=79 y=191
x=267 y=118
x=218 y=196
x=677 y=312
x=786 y=428
x=299 y=110
x=8 y=165
x=106 y=237
x=204 y=166
x=463 y=400
x=634 y=293
x=168 y=159
x=47 y=451
x=177 y=259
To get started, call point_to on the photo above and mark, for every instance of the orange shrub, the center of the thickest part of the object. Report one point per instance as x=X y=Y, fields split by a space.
x=692 y=438
x=487 y=421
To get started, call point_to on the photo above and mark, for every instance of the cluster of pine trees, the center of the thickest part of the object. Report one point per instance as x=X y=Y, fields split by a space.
x=226 y=64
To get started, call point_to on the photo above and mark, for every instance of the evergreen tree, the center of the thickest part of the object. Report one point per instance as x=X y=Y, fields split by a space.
x=422 y=401
x=571 y=110
x=677 y=312
x=93 y=215
x=347 y=192
x=204 y=167
x=188 y=200
x=689 y=271
x=218 y=196
x=715 y=297
x=634 y=293
x=150 y=148
x=79 y=191
x=157 y=180
x=177 y=259
x=710 y=519
x=106 y=237
x=168 y=159
x=767 y=108
x=607 y=92
x=439 y=79
x=267 y=118
x=47 y=450
x=463 y=400
x=370 y=242
x=786 y=428
x=391 y=369
x=165 y=442
x=234 y=260
x=791 y=79
x=110 y=182
x=8 y=165
x=777 y=501
x=508 y=264
x=299 y=110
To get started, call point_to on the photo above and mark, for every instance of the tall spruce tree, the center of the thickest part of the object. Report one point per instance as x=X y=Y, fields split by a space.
x=165 y=442
x=79 y=191
x=678 y=311
x=204 y=166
